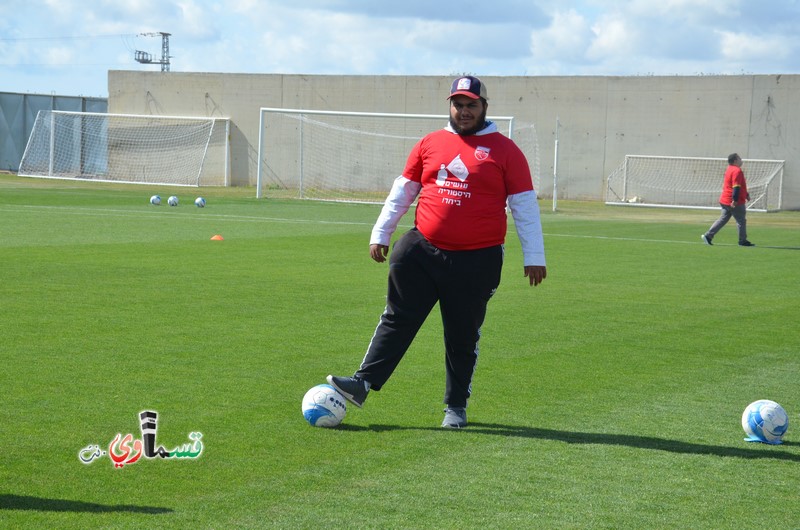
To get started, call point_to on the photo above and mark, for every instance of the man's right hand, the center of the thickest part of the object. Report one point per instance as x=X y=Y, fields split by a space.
x=378 y=252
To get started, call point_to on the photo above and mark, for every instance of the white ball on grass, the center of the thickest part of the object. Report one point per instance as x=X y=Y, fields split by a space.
x=323 y=406
x=765 y=421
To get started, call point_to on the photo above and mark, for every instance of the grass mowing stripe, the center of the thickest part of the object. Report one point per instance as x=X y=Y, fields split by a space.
x=99 y=212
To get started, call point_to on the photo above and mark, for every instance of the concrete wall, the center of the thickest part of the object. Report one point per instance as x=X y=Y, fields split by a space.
x=601 y=118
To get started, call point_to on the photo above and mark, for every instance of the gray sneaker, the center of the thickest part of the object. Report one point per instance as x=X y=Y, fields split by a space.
x=706 y=239
x=455 y=418
x=354 y=389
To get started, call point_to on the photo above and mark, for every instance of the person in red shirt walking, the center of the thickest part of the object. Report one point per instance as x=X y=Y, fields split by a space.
x=733 y=201
x=464 y=176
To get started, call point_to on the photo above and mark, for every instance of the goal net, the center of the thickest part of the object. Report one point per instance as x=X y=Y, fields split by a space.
x=146 y=149
x=351 y=156
x=687 y=182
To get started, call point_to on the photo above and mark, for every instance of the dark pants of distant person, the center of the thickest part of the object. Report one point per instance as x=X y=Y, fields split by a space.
x=419 y=276
x=739 y=213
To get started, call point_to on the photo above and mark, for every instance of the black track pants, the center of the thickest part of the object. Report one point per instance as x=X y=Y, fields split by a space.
x=419 y=276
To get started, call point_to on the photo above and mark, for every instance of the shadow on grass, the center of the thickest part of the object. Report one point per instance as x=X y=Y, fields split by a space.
x=39 y=504
x=758 y=451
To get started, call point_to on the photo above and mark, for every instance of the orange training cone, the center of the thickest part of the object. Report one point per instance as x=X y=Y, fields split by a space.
x=217 y=238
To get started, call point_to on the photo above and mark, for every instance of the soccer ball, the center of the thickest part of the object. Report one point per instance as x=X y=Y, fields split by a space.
x=323 y=406
x=155 y=200
x=765 y=421
x=200 y=202
x=172 y=201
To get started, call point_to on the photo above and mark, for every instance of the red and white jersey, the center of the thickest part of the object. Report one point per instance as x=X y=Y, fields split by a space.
x=464 y=184
x=466 y=181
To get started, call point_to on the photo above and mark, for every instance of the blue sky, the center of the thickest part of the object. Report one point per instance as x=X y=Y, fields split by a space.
x=66 y=47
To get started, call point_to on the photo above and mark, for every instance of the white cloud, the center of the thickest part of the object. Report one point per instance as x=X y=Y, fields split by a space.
x=423 y=37
x=59 y=56
x=567 y=38
x=690 y=10
x=197 y=21
x=744 y=47
x=615 y=36
x=472 y=11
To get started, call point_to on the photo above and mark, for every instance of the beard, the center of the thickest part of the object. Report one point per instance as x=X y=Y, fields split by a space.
x=480 y=124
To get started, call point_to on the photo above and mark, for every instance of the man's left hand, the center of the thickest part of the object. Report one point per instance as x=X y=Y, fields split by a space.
x=536 y=274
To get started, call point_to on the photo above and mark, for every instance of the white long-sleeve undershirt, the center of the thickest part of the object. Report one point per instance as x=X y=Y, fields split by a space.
x=524 y=210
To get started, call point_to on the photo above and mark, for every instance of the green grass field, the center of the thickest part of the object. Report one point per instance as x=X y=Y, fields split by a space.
x=608 y=397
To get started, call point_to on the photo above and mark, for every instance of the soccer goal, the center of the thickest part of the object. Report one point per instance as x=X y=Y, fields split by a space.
x=350 y=156
x=138 y=149
x=689 y=182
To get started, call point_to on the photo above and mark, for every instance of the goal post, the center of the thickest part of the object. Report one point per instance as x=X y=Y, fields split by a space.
x=350 y=156
x=128 y=148
x=691 y=182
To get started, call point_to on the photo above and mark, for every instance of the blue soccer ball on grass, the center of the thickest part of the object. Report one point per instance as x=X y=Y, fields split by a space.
x=765 y=421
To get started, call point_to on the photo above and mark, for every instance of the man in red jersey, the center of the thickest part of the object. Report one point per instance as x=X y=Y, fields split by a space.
x=464 y=176
x=733 y=201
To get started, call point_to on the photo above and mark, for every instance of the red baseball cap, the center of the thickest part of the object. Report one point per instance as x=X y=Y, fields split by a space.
x=469 y=86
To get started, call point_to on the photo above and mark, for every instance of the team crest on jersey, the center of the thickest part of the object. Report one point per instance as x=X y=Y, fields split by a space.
x=482 y=153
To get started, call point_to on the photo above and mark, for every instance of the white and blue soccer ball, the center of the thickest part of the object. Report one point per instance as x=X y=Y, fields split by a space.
x=323 y=406
x=765 y=421
x=172 y=201
x=155 y=200
x=200 y=202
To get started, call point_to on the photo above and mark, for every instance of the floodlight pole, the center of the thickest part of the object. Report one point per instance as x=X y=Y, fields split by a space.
x=146 y=58
x=165 y=52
